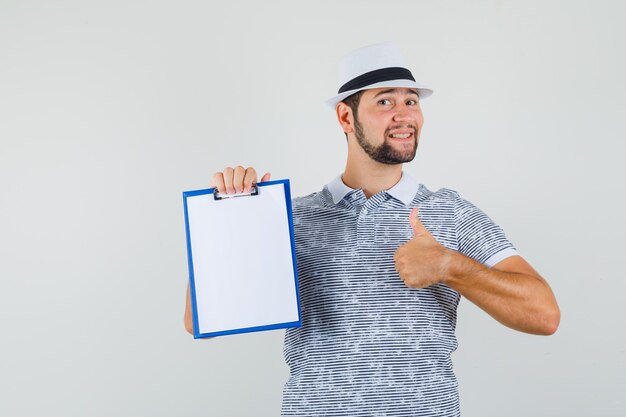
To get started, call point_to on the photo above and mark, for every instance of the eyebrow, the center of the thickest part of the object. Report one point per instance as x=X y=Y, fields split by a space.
x=394 y=90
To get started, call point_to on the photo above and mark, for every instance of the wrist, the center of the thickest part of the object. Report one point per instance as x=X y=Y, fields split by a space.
x=448 y=265
x=455 y=264
x=462 y=271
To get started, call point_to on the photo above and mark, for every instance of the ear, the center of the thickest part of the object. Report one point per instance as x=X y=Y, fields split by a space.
x=344 y=116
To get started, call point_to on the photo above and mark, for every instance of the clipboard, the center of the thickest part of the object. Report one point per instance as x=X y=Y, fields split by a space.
x=241 y=256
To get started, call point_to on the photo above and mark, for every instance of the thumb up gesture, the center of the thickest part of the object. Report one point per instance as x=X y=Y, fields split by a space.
x=422 y=261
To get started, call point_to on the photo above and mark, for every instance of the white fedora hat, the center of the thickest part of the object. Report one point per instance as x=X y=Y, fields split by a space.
x=374 y=66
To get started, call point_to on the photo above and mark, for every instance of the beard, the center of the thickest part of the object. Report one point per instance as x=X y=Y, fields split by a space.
x=385 y=153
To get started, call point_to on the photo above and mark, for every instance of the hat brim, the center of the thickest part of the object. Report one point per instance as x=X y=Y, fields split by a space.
x=422 y=91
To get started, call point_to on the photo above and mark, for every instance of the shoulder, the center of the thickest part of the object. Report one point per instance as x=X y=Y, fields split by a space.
x=446 y=200
x=312 y=200
x=442 y=195
x=445 y=195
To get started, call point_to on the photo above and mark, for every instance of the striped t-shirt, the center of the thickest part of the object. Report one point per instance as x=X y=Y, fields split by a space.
x=369 y=345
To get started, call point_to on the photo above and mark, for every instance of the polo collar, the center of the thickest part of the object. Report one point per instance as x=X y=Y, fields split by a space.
x=404 y=190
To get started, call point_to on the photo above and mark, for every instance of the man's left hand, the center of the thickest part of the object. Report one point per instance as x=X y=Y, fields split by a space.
x=422 y=261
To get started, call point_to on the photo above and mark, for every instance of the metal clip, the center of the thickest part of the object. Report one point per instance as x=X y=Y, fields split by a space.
x=253 y=191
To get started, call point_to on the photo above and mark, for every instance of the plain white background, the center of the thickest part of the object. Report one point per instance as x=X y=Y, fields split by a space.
x=109 y=110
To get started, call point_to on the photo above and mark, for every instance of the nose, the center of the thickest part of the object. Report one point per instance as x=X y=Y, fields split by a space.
x=402 y=114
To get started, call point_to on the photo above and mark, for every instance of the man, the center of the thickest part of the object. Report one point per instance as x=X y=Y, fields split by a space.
x=382 y=263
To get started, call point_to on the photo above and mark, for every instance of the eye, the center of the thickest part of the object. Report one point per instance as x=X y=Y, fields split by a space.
x=384 y=101
x=412 y=102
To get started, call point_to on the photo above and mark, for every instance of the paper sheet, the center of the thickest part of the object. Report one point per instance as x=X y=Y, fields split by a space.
x=243 y=267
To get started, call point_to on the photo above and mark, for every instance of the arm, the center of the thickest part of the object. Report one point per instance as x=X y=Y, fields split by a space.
x=188 y=314
x=188 y=318
x=512 y=292
x=231 y=180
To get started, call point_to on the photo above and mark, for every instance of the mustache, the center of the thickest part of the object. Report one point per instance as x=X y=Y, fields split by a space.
x=412 y=127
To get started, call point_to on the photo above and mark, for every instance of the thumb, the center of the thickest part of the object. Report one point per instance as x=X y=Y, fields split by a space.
x=416 y=223
x=266 y=177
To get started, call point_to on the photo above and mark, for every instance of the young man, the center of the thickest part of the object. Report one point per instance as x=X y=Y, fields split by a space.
x=382 y=263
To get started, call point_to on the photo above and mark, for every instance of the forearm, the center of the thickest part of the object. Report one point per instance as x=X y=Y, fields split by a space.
x=521 y=301
x=188 y=317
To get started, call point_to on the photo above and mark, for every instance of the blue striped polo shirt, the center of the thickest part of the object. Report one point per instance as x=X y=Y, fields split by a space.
x=369 y=345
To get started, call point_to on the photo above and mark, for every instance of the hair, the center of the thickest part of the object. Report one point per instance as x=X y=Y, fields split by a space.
x=353 y=102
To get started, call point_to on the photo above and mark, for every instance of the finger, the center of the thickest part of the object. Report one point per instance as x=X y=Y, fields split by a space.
x=416 y=223
x=249 y=179
x=239 y=173
x=396 y=254
x=266 y=177
x=228 y=180
x=218 y=182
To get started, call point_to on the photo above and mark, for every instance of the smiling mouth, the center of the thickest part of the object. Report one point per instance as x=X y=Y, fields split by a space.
x=402 y=137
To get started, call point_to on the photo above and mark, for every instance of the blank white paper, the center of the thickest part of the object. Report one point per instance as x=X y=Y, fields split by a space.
x=242 y=260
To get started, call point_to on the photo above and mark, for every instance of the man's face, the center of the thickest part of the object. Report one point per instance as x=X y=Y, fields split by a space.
x=388 y=123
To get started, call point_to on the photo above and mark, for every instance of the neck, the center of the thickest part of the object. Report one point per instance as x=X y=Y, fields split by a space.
x=367 y=174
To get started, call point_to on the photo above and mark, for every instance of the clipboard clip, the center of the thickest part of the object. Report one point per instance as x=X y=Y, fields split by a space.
x=253 y=191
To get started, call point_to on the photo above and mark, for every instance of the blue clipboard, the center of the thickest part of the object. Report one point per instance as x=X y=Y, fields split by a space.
x=241 y=256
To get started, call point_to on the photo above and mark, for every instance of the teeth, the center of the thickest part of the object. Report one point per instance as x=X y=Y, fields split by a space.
x=401 y=136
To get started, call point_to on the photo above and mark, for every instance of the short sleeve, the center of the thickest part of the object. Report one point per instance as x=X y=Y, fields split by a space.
x=478 y=237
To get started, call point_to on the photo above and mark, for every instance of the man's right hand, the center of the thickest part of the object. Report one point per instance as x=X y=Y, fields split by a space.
x=236 y=180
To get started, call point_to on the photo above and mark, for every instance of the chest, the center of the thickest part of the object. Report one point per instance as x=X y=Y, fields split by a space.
x=382 y=230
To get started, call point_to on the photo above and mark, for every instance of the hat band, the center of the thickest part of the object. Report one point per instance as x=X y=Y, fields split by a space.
x=376 y=76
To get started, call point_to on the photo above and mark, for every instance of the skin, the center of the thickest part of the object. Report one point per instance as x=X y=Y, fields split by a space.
x=511 y=291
